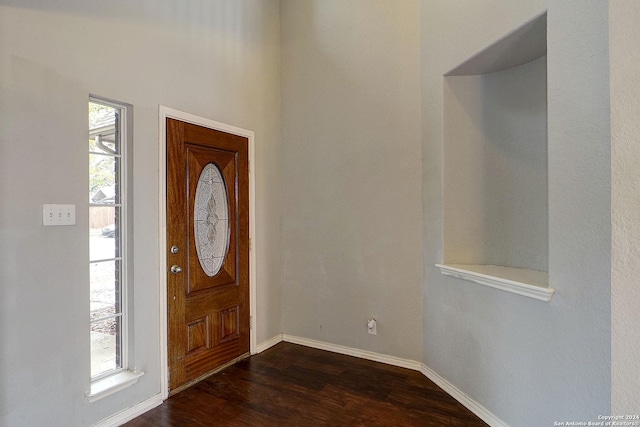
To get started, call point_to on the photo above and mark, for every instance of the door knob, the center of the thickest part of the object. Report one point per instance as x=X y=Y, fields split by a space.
x=175 y=269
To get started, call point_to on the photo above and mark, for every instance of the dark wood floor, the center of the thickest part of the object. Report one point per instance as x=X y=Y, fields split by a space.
x=292 y=385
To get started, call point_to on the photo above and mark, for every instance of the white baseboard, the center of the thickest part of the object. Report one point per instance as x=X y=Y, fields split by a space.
x=483 y=413
x=363 y=354
x=268 y=343
x=129 y=414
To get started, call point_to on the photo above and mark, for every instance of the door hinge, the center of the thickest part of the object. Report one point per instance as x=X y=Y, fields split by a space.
x=250 y=244
x=250 y=322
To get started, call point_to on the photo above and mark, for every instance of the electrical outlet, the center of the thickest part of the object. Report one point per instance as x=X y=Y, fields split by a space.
x=53 y=215
x=372 y=327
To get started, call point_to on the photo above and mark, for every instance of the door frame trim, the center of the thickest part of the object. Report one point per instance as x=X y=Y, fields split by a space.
x=164 y=114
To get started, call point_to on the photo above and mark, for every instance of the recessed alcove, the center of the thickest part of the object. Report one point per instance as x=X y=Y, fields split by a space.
x=495 y=165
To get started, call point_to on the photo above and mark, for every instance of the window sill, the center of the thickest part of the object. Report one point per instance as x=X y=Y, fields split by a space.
x=112 y=384
x=528 y=283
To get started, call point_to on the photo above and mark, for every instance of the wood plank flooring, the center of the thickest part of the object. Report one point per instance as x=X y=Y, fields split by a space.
x=293 y=385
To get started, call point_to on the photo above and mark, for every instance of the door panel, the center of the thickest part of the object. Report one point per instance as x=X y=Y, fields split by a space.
x=208 y=286
x=197 y=159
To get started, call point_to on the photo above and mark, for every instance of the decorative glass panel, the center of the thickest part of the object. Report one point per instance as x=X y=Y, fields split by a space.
x=211 y=220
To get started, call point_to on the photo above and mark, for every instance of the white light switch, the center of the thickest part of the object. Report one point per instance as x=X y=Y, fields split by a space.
x=58 y=215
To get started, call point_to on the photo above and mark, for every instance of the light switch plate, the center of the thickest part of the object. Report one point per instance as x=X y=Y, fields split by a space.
x=53 y=215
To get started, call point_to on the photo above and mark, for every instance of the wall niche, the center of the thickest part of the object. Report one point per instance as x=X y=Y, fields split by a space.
x=495 y=165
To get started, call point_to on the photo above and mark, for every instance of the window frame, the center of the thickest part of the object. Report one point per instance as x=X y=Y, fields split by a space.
x=112 y=380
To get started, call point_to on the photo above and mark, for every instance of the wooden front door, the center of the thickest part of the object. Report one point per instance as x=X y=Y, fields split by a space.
x=207 y=250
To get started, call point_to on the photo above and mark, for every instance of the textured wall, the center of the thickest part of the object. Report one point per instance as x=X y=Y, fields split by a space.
x=495 y=167
x=351 y=173
x=217 y=59
x=624 y=34
x=530 y=363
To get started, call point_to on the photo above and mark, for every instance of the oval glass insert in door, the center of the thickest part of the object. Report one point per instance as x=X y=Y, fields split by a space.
x=211 y=220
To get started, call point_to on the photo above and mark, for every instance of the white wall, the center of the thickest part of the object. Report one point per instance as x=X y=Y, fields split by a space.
x=214 y=58
x=495 y=167
x=530 y=363
x=351 y=173
x=624 y=34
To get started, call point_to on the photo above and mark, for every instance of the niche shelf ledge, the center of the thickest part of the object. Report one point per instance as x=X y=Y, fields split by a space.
x=521 y=281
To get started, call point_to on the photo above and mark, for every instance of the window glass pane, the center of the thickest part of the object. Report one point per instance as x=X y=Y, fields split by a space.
x=107 y=285
x=103 y=235
x=105 y=345
x=105 y=288
x=103 y=179
x=104 y=144
x=103 y=128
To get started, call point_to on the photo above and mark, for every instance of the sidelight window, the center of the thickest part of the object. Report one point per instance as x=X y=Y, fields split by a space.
x=109 y=241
